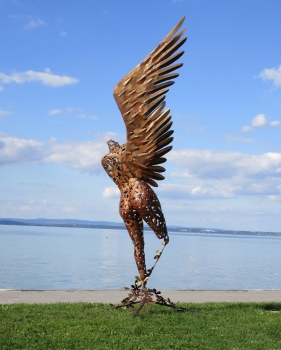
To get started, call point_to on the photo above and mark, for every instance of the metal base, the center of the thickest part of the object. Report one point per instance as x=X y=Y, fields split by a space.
x=146 y=296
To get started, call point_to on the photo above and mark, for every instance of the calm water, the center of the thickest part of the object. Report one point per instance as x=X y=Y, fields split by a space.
x=74 y=258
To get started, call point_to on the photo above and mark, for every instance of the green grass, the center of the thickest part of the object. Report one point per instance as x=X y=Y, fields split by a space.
x=95 y=326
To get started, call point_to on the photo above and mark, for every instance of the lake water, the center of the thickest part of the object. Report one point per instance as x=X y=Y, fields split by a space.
x=76 y=258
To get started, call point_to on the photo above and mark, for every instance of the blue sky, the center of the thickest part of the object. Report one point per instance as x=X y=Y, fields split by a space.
x=59 y=63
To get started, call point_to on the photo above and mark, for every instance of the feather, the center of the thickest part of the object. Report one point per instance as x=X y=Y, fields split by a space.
x=140 y=97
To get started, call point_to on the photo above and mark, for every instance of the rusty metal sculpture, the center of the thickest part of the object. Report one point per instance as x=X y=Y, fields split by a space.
x=135 y=165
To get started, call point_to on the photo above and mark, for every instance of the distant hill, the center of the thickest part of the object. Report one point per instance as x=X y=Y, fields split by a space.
x=59 y=222
x=120 y=225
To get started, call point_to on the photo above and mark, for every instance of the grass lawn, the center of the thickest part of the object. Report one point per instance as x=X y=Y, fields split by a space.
x=95 y=326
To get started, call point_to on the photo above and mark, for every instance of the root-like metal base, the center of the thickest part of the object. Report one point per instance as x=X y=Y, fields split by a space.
x=146 y=296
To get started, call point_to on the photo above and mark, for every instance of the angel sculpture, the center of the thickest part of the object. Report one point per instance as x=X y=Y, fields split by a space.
x=134 y=166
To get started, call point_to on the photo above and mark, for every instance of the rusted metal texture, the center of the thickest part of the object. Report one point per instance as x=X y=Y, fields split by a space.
x=134 y=166
x=147 y=297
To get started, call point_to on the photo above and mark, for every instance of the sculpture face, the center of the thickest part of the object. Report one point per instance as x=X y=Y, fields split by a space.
x=135 y=165
x=113 y=146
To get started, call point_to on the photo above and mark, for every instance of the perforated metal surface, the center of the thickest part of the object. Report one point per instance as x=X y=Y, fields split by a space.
x=134 y=166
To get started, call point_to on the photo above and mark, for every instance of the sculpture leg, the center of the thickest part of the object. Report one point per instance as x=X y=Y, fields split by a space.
x=138 y=202
x=134 y=225
x=146 y=203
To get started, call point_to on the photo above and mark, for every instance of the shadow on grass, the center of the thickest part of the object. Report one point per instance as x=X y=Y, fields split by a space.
x=274 y=307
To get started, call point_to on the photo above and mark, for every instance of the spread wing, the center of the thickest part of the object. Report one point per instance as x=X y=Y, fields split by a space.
x=140 y=97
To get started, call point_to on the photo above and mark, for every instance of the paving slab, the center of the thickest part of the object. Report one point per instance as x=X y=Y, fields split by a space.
x=10 y=296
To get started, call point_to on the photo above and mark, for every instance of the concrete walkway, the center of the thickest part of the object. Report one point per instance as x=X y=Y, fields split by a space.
x=8 y=296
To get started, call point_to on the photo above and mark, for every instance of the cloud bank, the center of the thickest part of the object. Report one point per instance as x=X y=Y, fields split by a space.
x=202 y=174
x=17 y=150
x=83 y=156
x=213 y=174
x=218 y=165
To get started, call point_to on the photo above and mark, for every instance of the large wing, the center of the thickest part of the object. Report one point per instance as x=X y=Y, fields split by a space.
x=140 y=97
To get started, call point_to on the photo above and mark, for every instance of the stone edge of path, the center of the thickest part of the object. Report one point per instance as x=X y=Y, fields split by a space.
x=16 y=296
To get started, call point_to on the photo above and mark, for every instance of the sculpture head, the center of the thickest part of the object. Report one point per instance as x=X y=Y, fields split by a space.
x=113 y=146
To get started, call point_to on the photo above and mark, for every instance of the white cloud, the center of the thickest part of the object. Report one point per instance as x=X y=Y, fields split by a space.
x=4 y=113
x=83 y=156
x=16 y=150
x=46 y=78
x=111 y=192
x=219 y=165
x=260 y=121
x=272 y=74
x=1 y=88
x=274 y=123
x=34 y=23
x=62 y=33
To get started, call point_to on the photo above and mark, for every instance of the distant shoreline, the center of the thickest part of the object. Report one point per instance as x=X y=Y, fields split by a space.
x=111 y=226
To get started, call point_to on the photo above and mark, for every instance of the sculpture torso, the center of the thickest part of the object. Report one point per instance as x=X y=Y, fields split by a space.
x=116 y=170
x=138 y=202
